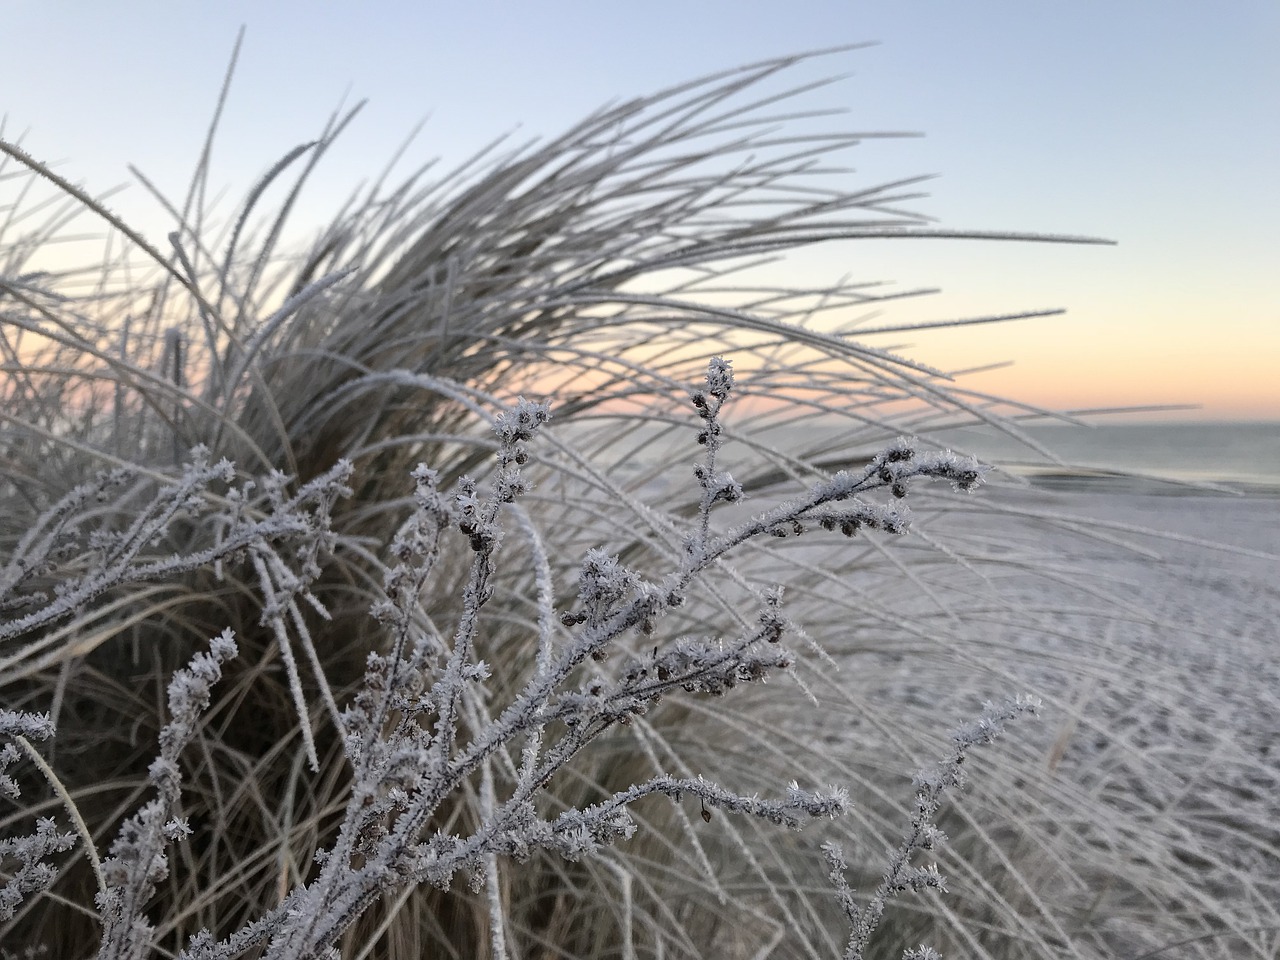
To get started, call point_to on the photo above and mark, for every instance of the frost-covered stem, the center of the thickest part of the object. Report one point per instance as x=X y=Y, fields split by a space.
x=417 y=547
x=73 y=811
x=113 y=567
x=546 y=631
x=576 y=833
x=33 y=549
x=291 y=519
x=715 y=486
x=419 y=538
x=404 y=774
x=138 y=860
x=525 y=710
x=202 y=946
x=475 y=594
x=694 y=666
x=152 y=522
x=271 y=616
x=331 y=903
x=492 y=879
x=893 y=468
x=480 y=522
x=781 y=812
x=31 y=874
x=528 y=709
x=922 y=834
x=628 y=909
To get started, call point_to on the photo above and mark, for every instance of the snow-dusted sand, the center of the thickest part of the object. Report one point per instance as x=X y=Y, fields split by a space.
x=1143 y=806
x=1198 y=579
x=1221 y=593
x=1167 y=719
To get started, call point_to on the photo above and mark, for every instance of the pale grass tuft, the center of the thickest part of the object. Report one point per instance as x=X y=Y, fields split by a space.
x=229 y=436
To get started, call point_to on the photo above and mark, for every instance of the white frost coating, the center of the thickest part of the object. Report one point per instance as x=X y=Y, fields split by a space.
x=402 y=732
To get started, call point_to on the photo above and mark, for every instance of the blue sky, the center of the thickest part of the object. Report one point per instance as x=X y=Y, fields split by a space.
x=1151 y=123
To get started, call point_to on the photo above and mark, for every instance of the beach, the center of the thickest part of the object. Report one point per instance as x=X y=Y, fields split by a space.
x=1162 y=725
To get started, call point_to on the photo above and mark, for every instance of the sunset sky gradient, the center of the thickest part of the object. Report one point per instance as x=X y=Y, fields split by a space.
x=1153 y=124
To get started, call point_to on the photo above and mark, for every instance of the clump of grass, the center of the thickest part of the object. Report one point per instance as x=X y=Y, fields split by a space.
x=602 y=270
x=425 y=724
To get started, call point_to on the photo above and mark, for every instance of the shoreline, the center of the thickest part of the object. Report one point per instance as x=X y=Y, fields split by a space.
x=1096 y=480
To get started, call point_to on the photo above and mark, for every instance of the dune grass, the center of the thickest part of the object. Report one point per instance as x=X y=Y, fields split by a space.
x=600 y=270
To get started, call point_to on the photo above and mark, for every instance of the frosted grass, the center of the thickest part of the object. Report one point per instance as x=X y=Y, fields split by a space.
x=599 y=271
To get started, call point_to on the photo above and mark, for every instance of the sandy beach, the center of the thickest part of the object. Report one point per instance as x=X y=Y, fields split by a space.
x=1166 y=722
x=1143 y=802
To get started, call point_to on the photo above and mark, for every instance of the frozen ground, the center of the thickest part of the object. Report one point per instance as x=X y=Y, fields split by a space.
x=1164 y=723
x=1143 y=808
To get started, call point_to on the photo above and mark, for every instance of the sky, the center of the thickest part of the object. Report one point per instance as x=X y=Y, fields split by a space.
x=1153 y=124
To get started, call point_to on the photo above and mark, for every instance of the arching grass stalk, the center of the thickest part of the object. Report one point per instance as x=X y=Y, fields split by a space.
x=401 y=734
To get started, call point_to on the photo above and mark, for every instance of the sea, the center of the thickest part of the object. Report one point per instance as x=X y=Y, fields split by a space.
x=1235 y=456
x=1159 y=457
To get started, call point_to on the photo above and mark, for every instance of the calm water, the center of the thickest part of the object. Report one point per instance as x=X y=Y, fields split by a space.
x=1237 y=454
x=1243 y=456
